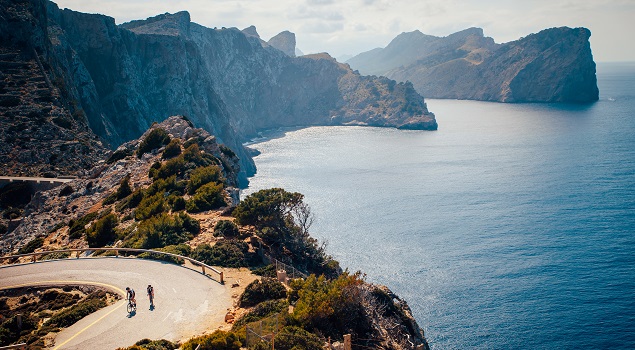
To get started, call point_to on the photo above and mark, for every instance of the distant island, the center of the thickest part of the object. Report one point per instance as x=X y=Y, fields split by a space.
x=554 y=65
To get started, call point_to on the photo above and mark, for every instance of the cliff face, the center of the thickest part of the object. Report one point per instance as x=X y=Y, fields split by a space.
x=42 y=132
x=229 y=83
x=554 y=65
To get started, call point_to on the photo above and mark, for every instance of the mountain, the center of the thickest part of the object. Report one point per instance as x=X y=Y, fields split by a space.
x=229 y=82
x=554 y=65
x=285 y=42
x=42 y=131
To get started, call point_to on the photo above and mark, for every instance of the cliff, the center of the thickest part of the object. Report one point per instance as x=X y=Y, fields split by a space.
x=554 y=65
x=43 y=132
x=123 y=78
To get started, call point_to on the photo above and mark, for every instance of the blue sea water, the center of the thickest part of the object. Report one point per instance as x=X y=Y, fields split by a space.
x=512 y=226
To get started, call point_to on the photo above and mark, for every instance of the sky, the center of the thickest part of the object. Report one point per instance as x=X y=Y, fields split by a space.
x=349 y=27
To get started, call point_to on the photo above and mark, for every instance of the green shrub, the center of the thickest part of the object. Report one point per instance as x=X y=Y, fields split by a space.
x=265 y=271
x=155 y=139
x=68 y=317
x=123 y=191
x=172 y=150
x=226 y=253
x=102 y=232
x=172 y=167
x=203 y=175
x=147 y=344
x=208 y=197
x=66 y=190
x=162 y=185
x=163 y=230
x=332 y=307
x=176 y=202
x=150 y=206
x=262 y=310
x=132 y=201
x=226 y=228
x=219 y=340
x=295 y=338
x=78 y=227
x=227 y=151
x=33 y=244
x=262 y=290
x=118 y=155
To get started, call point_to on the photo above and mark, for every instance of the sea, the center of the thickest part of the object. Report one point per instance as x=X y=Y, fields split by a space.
x=510 y=227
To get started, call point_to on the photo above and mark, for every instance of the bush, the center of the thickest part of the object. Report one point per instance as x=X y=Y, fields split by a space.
x=132 y=201
x=208 y=197
x=226 y=253
x=150 y=206
x=262 y=310
x=118 y=155
x=66 y=190
x=68 y=317
x=164 y=230
x=174 y=166
x=265 y=271
x=123 y=191
x=203 y=175
x=262 y=290
x=226 y=228
x=292 y=337
x=147 y=344
x=227 y=151
x=177 y=203
x=155 y=139
x=331 y=307
x=32 y=245
x=102 y=232
x=78 y=227
x=180 y=249
x=172 y=150
x=219 y=340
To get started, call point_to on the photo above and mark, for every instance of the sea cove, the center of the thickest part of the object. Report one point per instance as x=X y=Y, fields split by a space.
x=509 y=227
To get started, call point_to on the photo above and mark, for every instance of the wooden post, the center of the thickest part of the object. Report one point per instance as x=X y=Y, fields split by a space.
x=347 y=342
x=221 y=278
x=203 y=268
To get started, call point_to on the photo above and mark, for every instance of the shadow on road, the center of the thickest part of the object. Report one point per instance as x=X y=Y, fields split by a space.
x=132 y=313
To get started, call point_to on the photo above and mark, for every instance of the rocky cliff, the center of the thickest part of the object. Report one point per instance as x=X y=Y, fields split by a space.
x=43 y=132
x=126 y=77
x=554 y=65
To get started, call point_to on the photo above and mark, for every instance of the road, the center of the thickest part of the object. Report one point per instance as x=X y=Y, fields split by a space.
x=187 y=303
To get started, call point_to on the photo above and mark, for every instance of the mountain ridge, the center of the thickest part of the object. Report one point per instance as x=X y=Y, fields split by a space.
x=553 y=65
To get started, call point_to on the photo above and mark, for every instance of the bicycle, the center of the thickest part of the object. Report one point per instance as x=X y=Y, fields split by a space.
x=131 y=306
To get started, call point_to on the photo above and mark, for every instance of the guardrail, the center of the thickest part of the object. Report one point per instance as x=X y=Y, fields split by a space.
x=34 y=256
x=21 y=346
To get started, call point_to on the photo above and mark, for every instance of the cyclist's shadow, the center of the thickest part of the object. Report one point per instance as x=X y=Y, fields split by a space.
x=132 y=313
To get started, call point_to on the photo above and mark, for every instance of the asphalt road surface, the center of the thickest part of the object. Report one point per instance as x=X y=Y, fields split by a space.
x=187 y=303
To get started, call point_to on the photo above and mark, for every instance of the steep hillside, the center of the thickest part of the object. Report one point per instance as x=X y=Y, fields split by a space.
x=554 y=65
x=43 y=132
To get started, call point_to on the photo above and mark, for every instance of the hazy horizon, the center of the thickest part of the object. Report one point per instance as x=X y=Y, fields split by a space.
x=347 y=28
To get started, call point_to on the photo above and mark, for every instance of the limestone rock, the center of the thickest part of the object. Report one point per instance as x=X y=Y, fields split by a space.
x=285 y=42
x=554 y=65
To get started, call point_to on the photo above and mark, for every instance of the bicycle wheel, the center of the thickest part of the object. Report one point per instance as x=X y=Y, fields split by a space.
x=130 y=307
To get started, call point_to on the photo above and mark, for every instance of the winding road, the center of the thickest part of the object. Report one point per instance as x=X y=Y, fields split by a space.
x=187 y=303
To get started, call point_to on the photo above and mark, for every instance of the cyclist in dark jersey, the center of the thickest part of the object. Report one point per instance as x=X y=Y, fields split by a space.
x=130 y=295
x=151 y=294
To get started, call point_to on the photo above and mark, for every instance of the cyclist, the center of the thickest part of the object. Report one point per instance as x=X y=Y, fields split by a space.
x=130 y=295
x=151 y=294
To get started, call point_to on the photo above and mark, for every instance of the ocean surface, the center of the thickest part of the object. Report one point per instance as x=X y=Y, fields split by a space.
x=511 y=227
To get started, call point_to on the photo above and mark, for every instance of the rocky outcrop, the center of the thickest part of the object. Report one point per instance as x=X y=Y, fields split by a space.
x=554 y=65
x=285 y=42
x=49 y=210
x=42 y=131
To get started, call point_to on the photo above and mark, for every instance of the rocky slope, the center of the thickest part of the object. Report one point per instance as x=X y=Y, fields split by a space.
x=42 y=131
x=554 y=65
x=126 y=77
